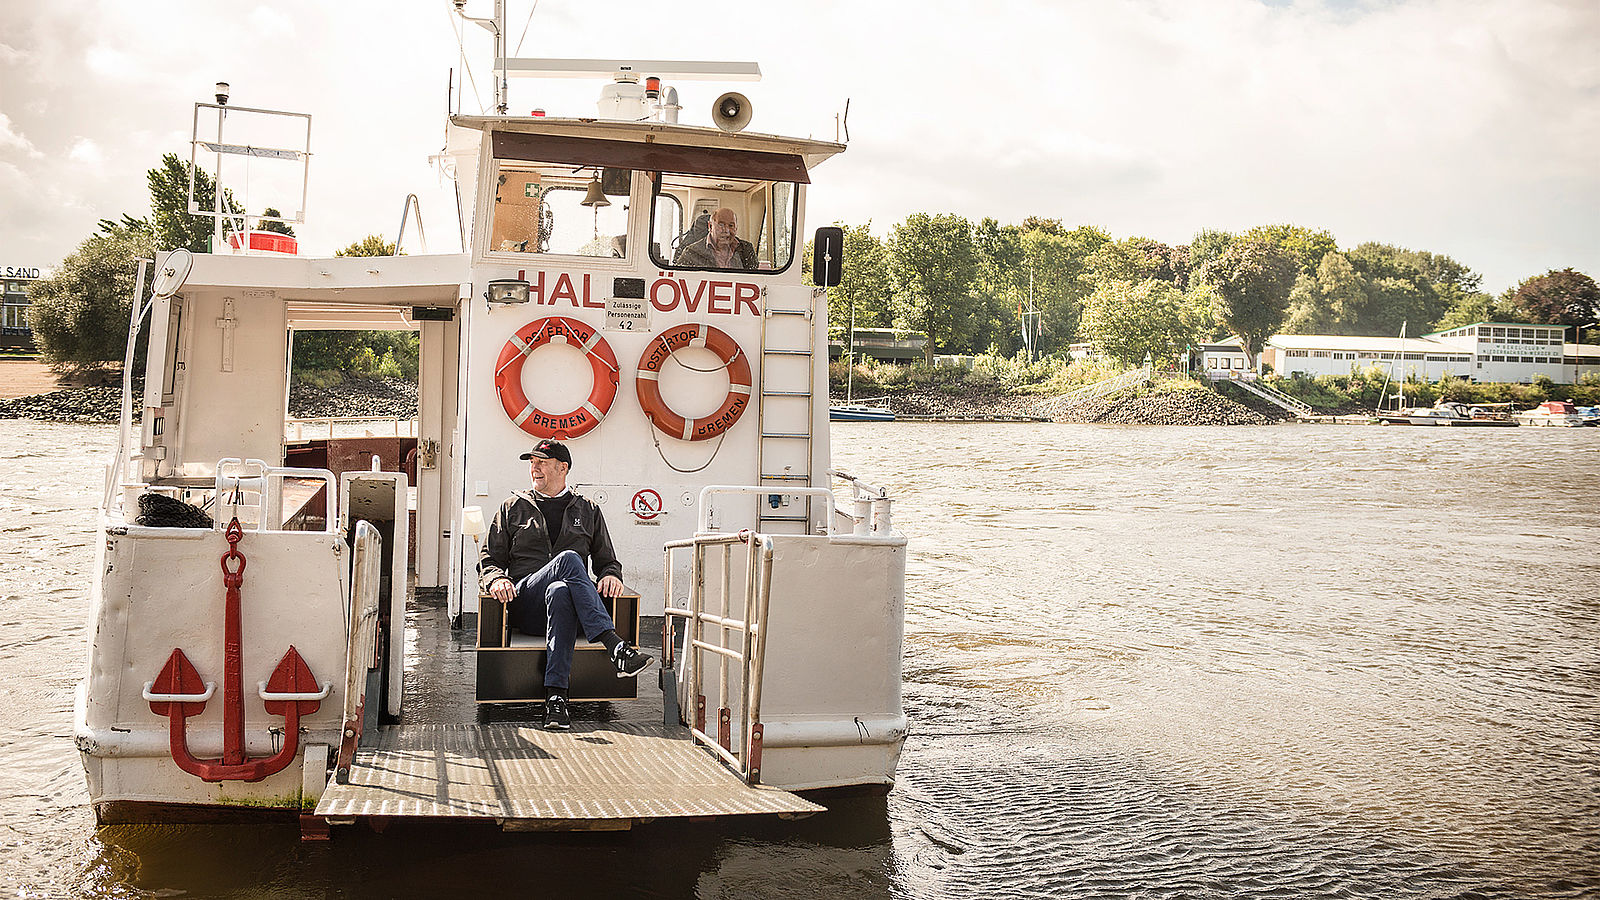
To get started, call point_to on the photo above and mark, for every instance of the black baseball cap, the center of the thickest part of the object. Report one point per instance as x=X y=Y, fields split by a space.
x=548 y=449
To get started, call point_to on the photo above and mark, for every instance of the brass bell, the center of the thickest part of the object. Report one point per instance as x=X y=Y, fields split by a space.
x=596 y=197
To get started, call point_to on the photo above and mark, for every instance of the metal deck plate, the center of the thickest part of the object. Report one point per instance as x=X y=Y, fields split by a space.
x=598 y=776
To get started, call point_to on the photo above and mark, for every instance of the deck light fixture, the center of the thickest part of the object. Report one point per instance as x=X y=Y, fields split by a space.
x=222 y=93
x=507 y=291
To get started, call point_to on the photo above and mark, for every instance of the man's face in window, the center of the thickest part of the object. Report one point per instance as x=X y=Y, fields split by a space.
x=724 y=229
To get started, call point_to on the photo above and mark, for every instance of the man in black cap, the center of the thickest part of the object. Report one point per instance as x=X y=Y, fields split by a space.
x=535 y=561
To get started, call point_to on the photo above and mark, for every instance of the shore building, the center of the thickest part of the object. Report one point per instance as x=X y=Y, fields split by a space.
x=14 y=331
x=1483 y=351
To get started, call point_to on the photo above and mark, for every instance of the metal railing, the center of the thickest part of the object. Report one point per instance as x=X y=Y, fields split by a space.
x=1275 y=396
x=1110 y=385
x=308 y=429
x=735 y=640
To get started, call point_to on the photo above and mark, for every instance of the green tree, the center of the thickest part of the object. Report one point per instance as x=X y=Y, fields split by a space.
x=1206 y=246
x=1398 y=292
x=329 y=356
x=863 y=286
x=1002 y=285
x=1307 y=246
x=1062 y=279
x=1330 y=301
x=79 y=315
x=278 y=227
x=1565 y=297
x=1129 y=320
x=933 y=265
x=1252 y=280
x=169 y=205
x=371 y=245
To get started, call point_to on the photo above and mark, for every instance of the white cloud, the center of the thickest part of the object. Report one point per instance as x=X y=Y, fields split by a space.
x=84 y=150
x=11 y=139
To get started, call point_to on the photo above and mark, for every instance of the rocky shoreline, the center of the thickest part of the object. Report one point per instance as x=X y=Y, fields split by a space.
x=385 y=397
x=367 y=397
x=1174 y=407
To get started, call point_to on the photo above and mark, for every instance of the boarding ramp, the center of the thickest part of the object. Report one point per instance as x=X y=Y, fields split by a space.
x=1274 y=396
x=596 y=777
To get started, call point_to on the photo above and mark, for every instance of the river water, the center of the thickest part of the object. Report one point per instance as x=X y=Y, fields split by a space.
x=1292 y=661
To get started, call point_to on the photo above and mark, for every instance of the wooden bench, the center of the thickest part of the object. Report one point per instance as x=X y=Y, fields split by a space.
x=511 y=664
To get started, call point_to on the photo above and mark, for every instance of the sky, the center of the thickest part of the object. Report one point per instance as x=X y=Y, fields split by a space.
x=1469 y=128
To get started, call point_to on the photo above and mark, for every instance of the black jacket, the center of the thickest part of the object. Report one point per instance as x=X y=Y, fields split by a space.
x=518 y=543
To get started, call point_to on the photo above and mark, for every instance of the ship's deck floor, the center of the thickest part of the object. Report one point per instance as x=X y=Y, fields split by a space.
x=454 y=759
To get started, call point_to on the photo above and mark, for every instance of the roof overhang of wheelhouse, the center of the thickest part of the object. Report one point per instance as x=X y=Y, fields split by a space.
x=653 y=146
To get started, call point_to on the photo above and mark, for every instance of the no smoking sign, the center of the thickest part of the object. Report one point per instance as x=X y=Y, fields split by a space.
x=647 y=507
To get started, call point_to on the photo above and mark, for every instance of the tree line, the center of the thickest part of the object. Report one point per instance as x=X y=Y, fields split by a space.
x=1039 y=285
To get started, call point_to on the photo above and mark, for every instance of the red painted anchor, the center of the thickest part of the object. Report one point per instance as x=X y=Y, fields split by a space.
x=179 y=692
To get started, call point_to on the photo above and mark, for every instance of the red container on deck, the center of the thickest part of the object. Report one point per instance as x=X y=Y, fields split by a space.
x=270 y=241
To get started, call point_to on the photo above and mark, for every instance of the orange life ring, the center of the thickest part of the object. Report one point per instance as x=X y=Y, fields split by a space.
x=648 y=387
x=508 y=377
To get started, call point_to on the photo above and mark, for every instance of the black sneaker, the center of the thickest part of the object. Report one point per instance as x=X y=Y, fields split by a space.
x=629 y=662
x=556 y=717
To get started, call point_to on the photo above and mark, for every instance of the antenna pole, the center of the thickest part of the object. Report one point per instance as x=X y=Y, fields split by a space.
x=216 y=236
x=501 y=94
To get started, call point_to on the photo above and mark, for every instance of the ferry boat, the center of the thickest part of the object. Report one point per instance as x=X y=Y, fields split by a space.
x=263 y=641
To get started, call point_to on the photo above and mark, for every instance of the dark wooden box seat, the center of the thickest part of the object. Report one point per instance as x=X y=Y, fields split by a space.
x=512 y=670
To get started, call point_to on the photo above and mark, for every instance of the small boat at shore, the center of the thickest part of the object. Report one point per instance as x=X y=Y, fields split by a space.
x=860 y=412
x=1555 y=413
x=1451 y=413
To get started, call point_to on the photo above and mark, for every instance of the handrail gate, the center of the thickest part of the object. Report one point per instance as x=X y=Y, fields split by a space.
x=749 y=652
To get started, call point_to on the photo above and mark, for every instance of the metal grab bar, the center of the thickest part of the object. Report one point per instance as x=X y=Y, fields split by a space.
x=256 y=476
x=750 y=653
x=411 y=202
x=710 y=490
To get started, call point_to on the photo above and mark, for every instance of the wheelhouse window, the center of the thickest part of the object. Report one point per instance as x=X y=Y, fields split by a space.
x=686 y=211
x=560 y=208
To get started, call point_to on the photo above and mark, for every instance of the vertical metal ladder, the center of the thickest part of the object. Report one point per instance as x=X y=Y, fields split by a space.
x=787 y=410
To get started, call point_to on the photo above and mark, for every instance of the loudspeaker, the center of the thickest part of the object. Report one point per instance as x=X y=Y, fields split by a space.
x=732 y=112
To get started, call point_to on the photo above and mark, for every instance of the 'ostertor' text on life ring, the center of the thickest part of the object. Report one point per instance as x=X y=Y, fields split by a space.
x=734 y=362
x=556 y=330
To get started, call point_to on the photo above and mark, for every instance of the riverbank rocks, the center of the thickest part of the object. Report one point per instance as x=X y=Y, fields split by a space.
x=88 y=405
x=374 y=397
x=1178 y=407
x=377 y=397
x=1183 y=407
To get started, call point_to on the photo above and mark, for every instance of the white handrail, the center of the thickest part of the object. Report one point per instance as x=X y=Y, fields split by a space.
x=258 y=477
x=750 y=653
x=710 y=490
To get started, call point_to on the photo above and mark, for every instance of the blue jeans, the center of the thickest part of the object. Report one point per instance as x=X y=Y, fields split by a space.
x=553 y=602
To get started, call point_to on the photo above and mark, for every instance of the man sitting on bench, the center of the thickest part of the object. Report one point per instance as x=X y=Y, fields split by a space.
x=535 y=562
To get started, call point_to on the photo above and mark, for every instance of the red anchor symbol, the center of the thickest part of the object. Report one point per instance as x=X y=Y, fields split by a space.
x=179 y=692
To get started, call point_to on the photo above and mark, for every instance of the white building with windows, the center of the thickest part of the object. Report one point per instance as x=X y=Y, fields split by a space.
x=1482 y=351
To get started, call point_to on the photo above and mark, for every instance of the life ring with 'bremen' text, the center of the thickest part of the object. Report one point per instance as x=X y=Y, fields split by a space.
x=556 y=330
x=648 y=387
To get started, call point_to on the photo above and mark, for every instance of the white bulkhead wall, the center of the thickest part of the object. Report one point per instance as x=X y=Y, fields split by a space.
x=623 y=457
x=234 y=380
